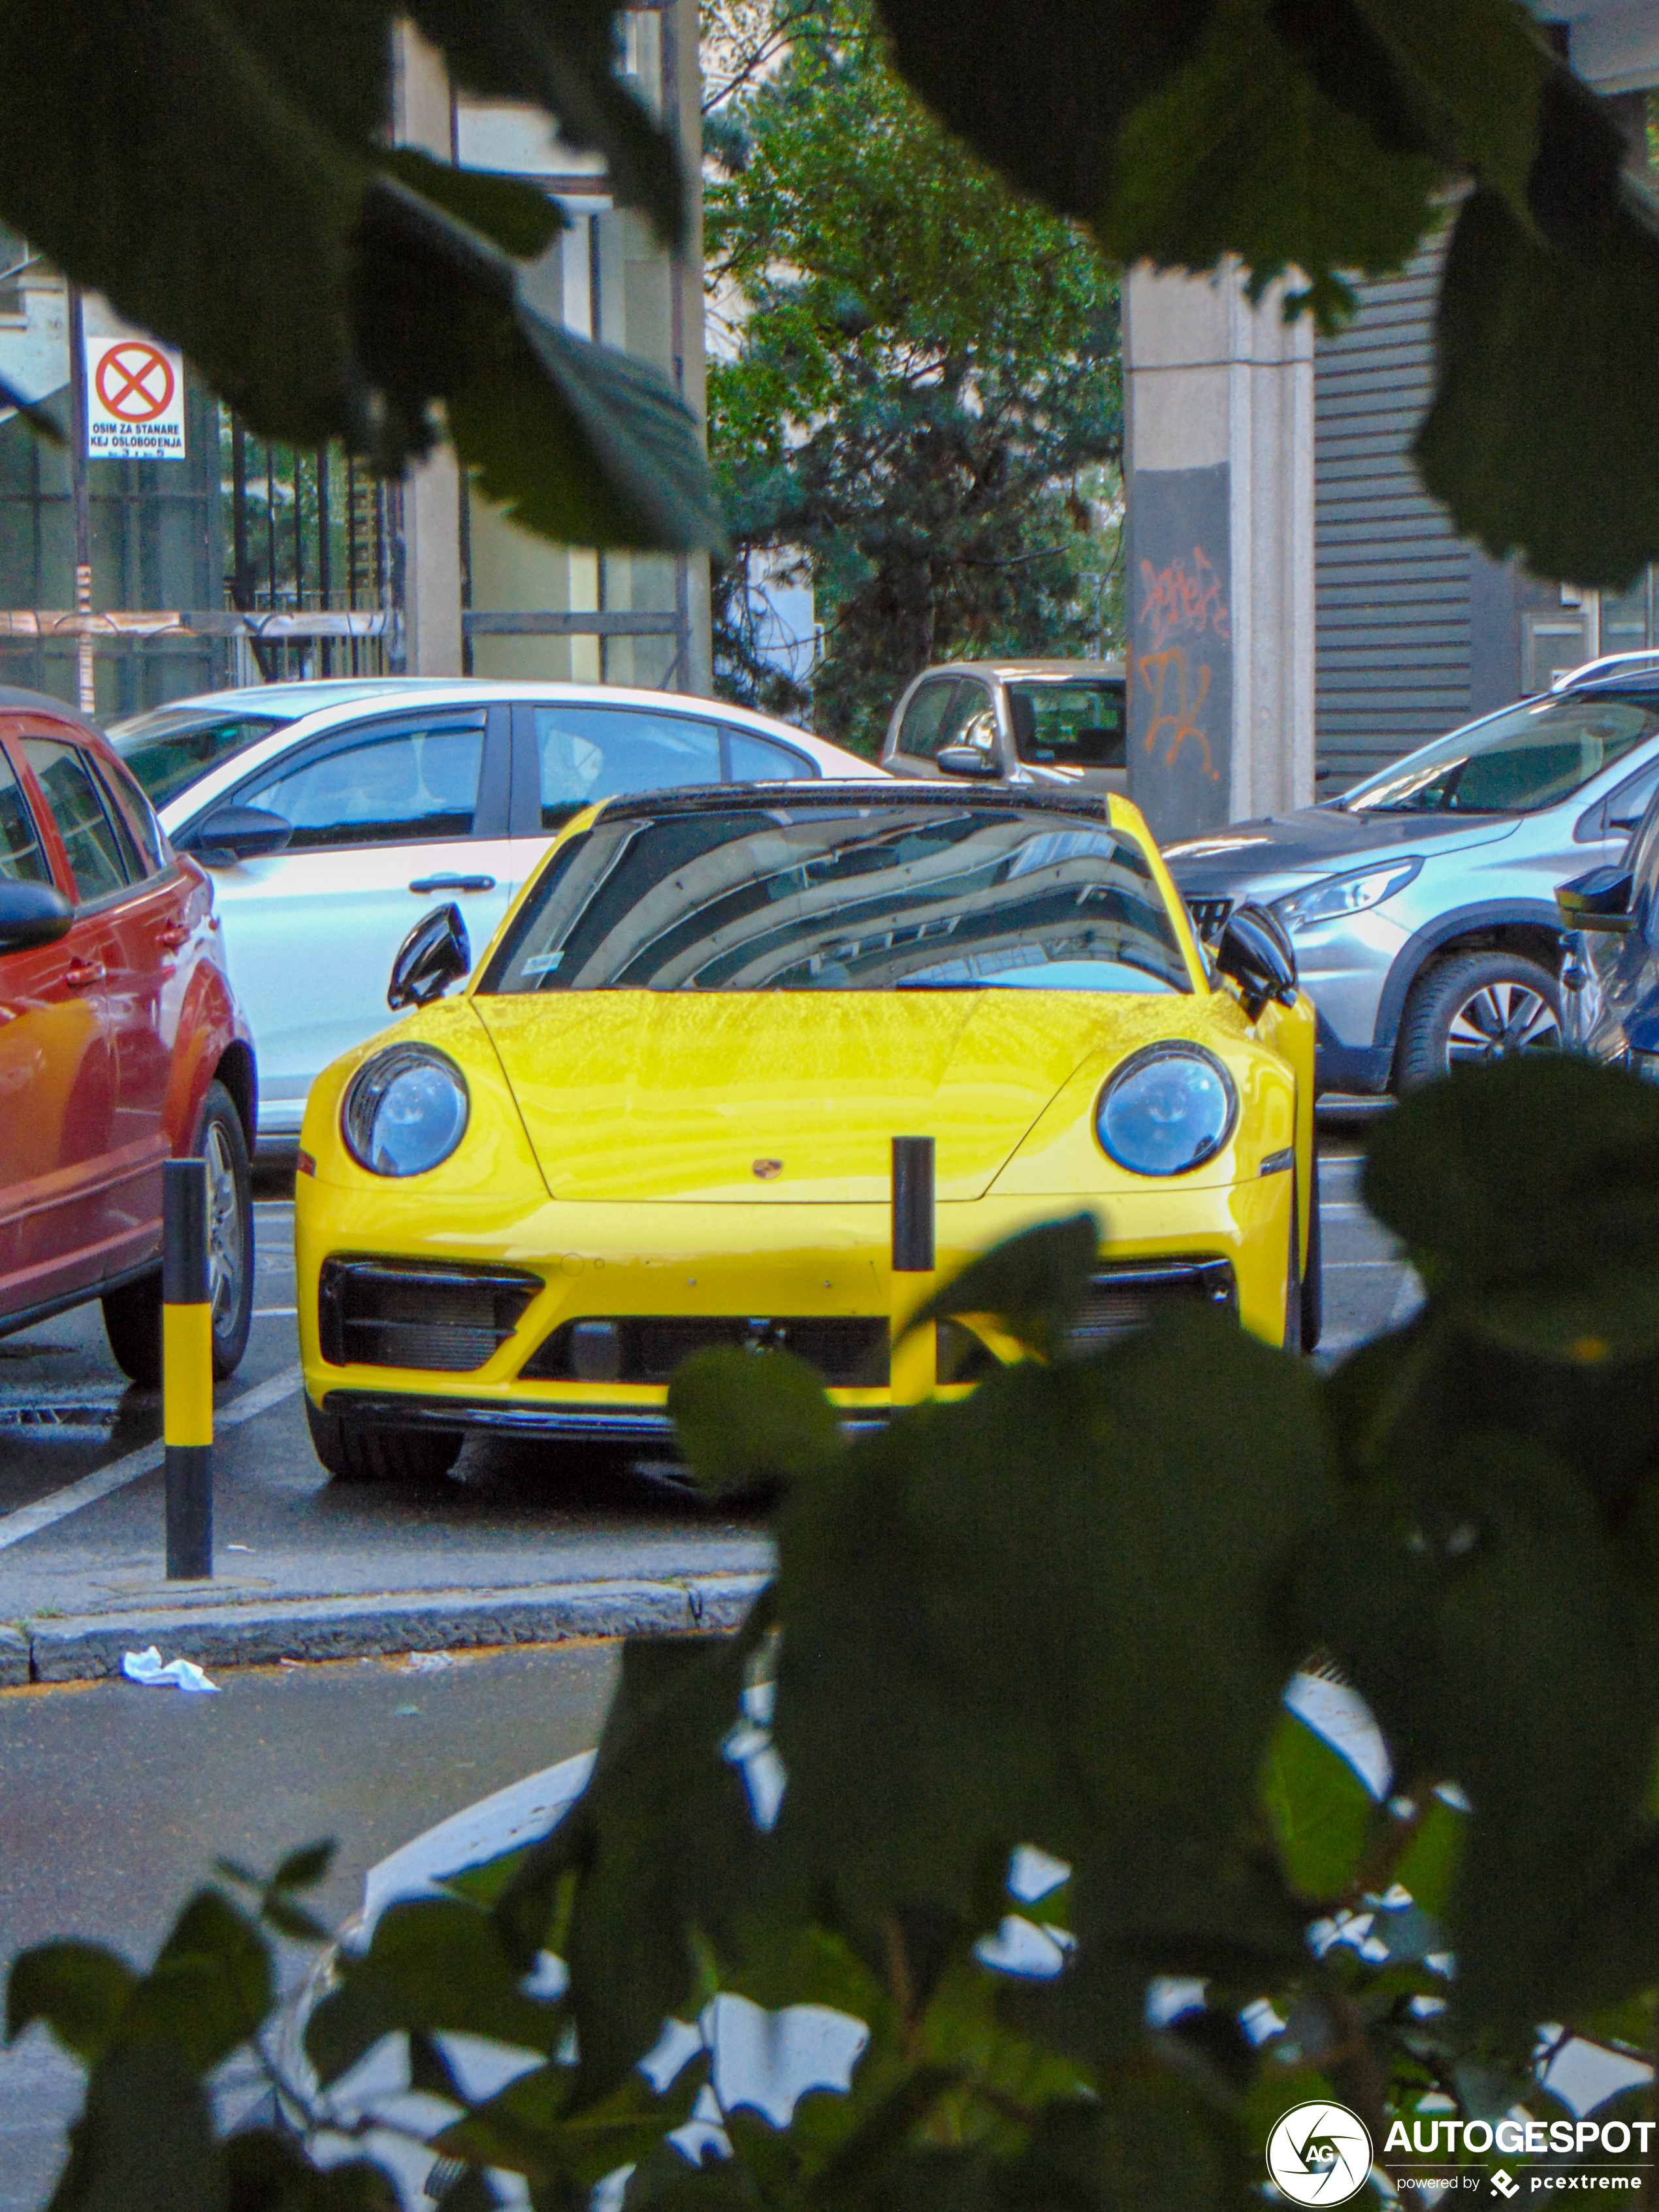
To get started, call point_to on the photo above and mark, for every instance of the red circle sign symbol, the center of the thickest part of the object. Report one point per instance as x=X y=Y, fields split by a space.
x=135 y=381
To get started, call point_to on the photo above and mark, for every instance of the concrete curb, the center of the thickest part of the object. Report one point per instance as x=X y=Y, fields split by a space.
x=89 y=1648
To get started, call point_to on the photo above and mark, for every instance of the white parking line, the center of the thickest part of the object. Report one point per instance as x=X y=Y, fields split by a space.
x=270 y=1313
x=29 y=1519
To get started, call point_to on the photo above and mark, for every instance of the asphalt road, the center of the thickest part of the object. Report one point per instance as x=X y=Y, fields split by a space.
x=116 y=1800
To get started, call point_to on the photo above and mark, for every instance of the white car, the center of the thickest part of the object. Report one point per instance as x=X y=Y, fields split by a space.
x=335 y=815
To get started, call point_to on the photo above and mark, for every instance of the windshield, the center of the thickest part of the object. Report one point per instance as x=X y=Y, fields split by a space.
x=1067 y=723
x=1517 y=762
x=169 y=750
x=848 y=898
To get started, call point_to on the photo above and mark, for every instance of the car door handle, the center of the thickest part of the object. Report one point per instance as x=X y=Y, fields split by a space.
x=453 y=884
x=82 y=974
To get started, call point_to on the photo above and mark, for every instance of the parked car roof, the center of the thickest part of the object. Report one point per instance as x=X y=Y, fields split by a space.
x=1005 y=671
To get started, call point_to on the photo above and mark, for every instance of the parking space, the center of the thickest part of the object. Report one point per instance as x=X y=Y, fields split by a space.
x=81 y=1481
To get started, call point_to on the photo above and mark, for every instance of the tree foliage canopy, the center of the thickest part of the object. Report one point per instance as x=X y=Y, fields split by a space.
x=927 y=368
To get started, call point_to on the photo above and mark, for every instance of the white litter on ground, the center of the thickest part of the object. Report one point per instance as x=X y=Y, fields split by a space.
x=146 y=1667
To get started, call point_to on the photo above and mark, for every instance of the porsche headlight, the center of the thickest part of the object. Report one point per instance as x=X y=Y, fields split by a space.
x=405 y=1110
x=1168 y=1109
x=1344 y=895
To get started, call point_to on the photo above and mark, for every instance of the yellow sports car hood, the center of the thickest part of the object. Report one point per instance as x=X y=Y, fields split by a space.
x=792 y=1097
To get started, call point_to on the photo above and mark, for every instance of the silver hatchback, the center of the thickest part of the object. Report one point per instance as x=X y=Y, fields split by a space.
x=1421 y=903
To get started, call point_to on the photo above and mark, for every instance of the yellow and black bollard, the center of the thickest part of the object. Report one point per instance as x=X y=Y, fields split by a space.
x=187 y=1369
x=915 y=1361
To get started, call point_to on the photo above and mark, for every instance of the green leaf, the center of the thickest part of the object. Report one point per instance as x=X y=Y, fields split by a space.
x=144 y=2138
x=576 y=440
x=1538 y=449
x=661 y=1845
x=1580 y=1139
x=1141 y=1689
x=1494 y=1646
x=433 y=1964
x=561 y=54
x=211 y=135
x=79 y=1990
x=1242 y=152
x=747 y=1419
x=305 y=1868
x=210 y=1989
x=266 y=2171
x=1032 y=1283
x=1428 y=1865
x=534 y=2127
x=1318 y=1809
x=1461 y=83
x=1042 y=98
x=666 y=2180
x=40 y=419
x=520 y=218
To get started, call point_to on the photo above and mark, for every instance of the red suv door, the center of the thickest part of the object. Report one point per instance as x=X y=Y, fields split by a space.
x=138 y=914
x=57 y=1074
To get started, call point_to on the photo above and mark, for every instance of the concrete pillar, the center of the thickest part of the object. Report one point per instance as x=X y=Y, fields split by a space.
x=423 y=116
x=1221 y=572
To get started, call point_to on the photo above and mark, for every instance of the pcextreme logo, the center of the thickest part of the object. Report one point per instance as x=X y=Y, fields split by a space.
x=1319 y=2154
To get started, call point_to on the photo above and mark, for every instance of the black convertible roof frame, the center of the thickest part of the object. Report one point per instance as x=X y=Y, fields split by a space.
x=798 y=796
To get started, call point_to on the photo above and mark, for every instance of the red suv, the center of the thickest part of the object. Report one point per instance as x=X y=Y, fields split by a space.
x=121 y=1045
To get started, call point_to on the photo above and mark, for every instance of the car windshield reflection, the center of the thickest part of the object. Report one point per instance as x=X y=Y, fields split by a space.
x=1517 y=762
x=840 y=896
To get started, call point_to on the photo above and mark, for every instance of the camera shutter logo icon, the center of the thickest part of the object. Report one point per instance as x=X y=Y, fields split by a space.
x=1319 y=2154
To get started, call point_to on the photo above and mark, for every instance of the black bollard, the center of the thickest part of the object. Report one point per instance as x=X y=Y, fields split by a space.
x=187 y=1371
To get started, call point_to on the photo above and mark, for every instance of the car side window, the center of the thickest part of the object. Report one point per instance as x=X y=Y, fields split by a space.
x=925 y=719
x=135 y=814
x=758 y=760
x=1072 y=723
x=403 y=786
x=589 y=753
x=22 y=859
x=98 y=855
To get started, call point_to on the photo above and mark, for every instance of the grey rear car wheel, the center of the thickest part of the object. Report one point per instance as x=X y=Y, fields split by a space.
x=1473 y=1007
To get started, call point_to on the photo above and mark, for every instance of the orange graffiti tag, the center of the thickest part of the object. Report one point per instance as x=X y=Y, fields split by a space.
x=1176 y=600
x=1181 y=722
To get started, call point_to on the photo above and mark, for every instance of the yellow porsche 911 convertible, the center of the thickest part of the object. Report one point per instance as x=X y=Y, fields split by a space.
x=661 y=1117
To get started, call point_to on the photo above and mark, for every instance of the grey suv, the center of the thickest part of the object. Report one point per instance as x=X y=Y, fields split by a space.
x=1421 y=903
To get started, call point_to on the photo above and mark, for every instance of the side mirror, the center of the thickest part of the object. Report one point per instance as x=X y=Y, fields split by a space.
x=1598 y=900
x=966 y=760
x=434 y=954
x=234 y=833
x=1254 y=950
x=31 y=914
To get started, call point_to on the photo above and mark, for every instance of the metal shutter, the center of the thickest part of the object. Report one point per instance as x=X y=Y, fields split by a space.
x=1391 y=579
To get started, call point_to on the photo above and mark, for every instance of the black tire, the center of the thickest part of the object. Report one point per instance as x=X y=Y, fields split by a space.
x=354 y=1452
x=1472 y=1007
x=1313 y=1276
x=132 y=1315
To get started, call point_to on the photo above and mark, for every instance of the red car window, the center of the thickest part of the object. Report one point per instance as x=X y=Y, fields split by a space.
x=134 y=813
x=21 y=859
x=97 y=859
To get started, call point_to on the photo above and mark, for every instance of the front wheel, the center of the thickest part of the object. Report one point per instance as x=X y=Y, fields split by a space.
x=1477 y=1007
x=132 y=1315
x=353 y=1452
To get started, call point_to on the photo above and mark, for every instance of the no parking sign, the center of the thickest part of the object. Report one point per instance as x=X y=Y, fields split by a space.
x=134 y=399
